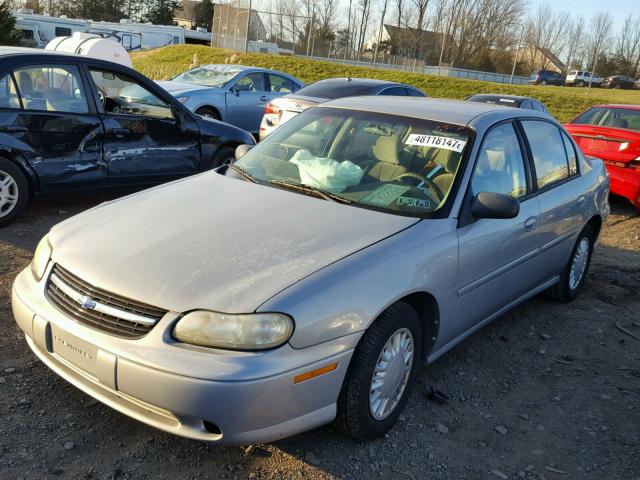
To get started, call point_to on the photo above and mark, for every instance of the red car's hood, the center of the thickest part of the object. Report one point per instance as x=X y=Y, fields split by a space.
x=619 y=144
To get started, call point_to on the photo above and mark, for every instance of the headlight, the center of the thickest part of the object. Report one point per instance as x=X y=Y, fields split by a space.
x=41 y=258
x=182 y=99
x=255 y=331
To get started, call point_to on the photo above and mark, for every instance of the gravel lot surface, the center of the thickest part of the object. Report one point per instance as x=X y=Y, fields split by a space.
x=548 y=391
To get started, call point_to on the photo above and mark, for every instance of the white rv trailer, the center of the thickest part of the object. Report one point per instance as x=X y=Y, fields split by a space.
x=139 y=36
x=32 y=36
x=48 y=27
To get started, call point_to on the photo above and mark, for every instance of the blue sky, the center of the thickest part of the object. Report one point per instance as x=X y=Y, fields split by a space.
x=619 y=9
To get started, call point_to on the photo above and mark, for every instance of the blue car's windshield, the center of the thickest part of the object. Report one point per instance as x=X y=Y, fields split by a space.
x=392 y=163
x=209 y=75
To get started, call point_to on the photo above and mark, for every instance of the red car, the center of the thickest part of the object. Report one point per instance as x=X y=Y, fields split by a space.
x=612 y=133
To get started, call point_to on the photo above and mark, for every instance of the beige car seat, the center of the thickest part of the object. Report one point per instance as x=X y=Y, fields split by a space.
x=386 y=151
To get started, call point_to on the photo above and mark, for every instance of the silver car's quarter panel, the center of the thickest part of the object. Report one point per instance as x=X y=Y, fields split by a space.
x=226 y=245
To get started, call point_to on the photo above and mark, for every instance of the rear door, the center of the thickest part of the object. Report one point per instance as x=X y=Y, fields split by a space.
x=498 y=257
x=246 y=100
x=144 y=143
x=561 y=197
x=49 y=117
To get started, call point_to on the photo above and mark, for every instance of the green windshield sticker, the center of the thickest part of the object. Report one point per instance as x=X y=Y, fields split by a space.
x=385 y=195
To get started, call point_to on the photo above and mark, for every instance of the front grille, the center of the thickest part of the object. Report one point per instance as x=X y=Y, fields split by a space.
x=98 y=308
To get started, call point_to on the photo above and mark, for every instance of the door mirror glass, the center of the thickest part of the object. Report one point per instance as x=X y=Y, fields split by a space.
x=494 y=205
x=241 y=150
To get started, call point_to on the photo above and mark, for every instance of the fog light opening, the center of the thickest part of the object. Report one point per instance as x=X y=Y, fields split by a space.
x=211 y=427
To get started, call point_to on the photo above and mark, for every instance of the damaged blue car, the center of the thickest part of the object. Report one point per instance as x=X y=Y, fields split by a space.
x=71 y=124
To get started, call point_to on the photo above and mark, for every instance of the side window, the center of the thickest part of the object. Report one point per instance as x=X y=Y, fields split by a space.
x=500 y=164
x=122 y=95
x=63 y=32
x=50 y=88
x=538 y=107
x=549 y=155
x=526 y=104
x=414 y=93
x=253 y=82
x=571 y=154
x=397 y=91
x=8 y=93
x=280 y=84
x=27 y=34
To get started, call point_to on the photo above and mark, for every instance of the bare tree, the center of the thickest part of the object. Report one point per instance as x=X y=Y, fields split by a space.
x=628 y=45
x=599 y=35
x=575 y=42
x=546 y=35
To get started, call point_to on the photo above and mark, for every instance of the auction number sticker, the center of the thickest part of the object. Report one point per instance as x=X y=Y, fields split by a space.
x=436 y=141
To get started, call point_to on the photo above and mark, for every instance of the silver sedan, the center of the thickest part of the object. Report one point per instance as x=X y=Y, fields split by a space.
x=305 y=283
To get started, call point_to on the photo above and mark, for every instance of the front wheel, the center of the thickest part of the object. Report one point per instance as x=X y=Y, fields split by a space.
x=14 y=192
x=381 y=374
x=208 y=113
x=573 y=276
x=223 y=156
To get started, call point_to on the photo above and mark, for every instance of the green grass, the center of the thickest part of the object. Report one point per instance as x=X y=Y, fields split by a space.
x=563 y=102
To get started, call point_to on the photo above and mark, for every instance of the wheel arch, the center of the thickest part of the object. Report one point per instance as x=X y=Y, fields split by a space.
x=595 y=222
x=15 y=158
x=210 y=107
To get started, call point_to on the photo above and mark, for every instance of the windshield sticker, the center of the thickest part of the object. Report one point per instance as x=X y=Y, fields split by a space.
x=414 y=202
x=446 y=143
x=385 y=195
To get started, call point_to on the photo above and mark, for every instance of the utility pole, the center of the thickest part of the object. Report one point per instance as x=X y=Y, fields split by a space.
x=348 y=45
x=515 y=58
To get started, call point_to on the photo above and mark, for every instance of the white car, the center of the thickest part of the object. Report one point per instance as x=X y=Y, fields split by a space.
x=581 y=78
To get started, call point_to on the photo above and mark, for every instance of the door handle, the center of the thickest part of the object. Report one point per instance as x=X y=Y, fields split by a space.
x=14 y=129
x=530 y=223
x=120 y=131
x=264 y=98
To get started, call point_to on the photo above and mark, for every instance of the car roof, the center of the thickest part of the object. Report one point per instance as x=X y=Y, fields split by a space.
x=507 y=97
x=359 y=81
x=617 y=105
x=458 y=112
x=6 y=51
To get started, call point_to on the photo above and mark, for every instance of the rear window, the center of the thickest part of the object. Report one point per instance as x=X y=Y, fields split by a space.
x=507 y=102
x=331 y=90
x=611 y=117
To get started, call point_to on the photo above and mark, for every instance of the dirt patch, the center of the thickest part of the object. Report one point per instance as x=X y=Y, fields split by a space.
x=548 y=391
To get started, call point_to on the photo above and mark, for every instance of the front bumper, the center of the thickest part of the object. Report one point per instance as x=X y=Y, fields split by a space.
x=203 y=394
x=626 y=183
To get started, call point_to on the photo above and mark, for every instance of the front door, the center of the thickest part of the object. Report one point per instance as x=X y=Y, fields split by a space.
x=144 y=144
x=498 y=257
x=246 y=100
x=47 y=116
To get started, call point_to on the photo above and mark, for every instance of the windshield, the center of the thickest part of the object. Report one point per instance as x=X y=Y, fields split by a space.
x=391 y=163
x=611 y=117
x=333 y=90
x=209 y=75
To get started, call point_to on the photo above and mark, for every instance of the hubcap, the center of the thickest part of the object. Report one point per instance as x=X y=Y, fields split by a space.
x=579 y=263
x=391 y=374
x=8 y=193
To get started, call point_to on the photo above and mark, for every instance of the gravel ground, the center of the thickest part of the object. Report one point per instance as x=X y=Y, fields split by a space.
x=548 y=391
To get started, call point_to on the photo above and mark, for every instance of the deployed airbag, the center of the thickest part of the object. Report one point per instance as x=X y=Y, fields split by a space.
x=326 y=173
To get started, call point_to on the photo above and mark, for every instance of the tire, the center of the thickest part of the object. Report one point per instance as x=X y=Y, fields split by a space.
x=208 y=112
x=14 y=192
x=580 y=83
x=568 y=287
x=355 y=415
x=223 y=155
x=543 y=82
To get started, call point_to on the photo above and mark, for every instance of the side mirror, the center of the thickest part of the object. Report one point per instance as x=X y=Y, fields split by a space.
x=494 y=205
x=241 y=150
x=236 y=90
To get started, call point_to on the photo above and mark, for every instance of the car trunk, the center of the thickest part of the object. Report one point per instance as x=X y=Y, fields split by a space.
x=613 y=144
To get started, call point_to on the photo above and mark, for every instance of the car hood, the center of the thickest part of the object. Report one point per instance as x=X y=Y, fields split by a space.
x=213 y=242
x=183 y=88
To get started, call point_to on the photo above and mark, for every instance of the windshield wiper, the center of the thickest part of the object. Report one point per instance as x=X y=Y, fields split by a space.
x=332 y=197
x=243 y=172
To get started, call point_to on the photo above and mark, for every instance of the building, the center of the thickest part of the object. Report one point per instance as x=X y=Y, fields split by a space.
x=538 y=58
x=232 y=26
x=411 y=43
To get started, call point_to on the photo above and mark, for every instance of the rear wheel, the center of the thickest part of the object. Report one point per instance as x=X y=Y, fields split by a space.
x=208 y=112
x=381 y=374
x=14 y=192
x=573 y=276
x=580 y=83
x=543 y=82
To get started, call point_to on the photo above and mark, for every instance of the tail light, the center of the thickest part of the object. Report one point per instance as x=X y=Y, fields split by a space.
x=635 y=164
x=271 y=108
